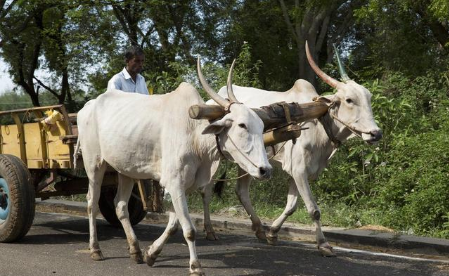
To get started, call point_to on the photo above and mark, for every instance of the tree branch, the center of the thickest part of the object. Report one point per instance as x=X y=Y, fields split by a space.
x=439 y=30
x=46 y=87
x=5 y=11
x=119 y=14
x=287 y=21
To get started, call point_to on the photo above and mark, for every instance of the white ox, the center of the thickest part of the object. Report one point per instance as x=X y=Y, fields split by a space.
x=349 y=114
x=152 y=137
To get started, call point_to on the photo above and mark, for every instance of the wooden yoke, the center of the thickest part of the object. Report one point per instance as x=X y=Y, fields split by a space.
x=273 y=116
x=280 y=119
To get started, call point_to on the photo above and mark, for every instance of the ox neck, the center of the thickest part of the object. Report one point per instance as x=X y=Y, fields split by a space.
x=330 y=129
x=207 y=145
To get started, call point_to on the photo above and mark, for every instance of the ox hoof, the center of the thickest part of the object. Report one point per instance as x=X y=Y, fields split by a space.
x=97 y=255
x=137 y=257
x=210 y=236
x=149 y=259
x=326 y=250
x=272 y=239
x=260 y=235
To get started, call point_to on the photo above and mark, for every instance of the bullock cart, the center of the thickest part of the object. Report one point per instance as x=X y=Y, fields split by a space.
x=36 y=160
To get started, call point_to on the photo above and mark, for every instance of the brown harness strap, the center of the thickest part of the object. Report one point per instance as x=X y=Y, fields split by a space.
x=288 y=116
x=335 y=142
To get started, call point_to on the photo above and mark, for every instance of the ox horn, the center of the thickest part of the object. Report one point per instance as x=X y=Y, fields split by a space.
x=326 y=78
x=229 y=85
x=341 y=66
x=217 y=98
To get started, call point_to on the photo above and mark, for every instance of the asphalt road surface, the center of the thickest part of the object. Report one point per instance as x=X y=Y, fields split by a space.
x=57 y=244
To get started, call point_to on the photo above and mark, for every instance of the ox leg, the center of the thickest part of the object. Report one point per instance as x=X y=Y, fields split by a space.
x=155 y=249
x=124 y=190
x=93 y=195
x=303 y=186
x=188 y=229
x=290 y=208
x=242 y=191
x=206 y=194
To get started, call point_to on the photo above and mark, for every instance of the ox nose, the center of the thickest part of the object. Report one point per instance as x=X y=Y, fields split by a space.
x=265 y=172
x=376 y=135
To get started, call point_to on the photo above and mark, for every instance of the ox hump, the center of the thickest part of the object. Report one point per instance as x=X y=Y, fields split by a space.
x=185 y=92
x=304 y=90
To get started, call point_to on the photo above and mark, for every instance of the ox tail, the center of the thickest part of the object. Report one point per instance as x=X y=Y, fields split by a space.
x=219 y=185
x=76 y=153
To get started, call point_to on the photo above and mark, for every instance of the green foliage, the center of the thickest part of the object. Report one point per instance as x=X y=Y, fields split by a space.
x=161 y=83
x=261 y=25
x=440 y=9
x=247 y=71
x=415 y=183
x=404 y=42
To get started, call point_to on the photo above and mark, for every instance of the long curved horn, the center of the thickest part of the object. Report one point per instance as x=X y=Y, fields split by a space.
x=341 y=66
x=327 y=79
x=217 y=98
x=229 y=85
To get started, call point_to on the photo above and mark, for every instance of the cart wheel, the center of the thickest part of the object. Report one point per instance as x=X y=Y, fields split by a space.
x=17 y=199
x=107 y=208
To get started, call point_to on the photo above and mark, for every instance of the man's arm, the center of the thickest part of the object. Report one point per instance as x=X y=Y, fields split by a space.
x=114 y=83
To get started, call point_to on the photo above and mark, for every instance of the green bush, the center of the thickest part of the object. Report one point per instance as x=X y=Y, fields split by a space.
x=416 y=183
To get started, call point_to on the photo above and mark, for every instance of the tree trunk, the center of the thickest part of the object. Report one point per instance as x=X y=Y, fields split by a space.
x=25 y=79
x=313 y=27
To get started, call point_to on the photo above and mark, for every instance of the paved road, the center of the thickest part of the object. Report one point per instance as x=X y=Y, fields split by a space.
x=57 y=245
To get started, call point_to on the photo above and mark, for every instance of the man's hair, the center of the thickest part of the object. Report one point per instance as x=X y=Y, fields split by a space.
x=133 y=51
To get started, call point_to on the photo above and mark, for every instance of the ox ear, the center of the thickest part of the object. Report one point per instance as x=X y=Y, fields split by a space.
x=328 y=99
x=218 y=126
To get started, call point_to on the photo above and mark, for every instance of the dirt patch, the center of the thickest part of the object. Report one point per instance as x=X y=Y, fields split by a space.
x=376 y=228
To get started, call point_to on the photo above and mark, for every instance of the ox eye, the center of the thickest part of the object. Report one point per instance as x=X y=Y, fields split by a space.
x=243 y=126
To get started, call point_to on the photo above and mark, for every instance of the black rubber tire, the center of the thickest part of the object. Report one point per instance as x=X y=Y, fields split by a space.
x=22 y=201
x=107 y=208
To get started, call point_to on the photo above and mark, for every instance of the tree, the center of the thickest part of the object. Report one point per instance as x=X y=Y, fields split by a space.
x=412 y=41
x=435 y=14
x=282 y=30
x=48 y=35
x=21 y=24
